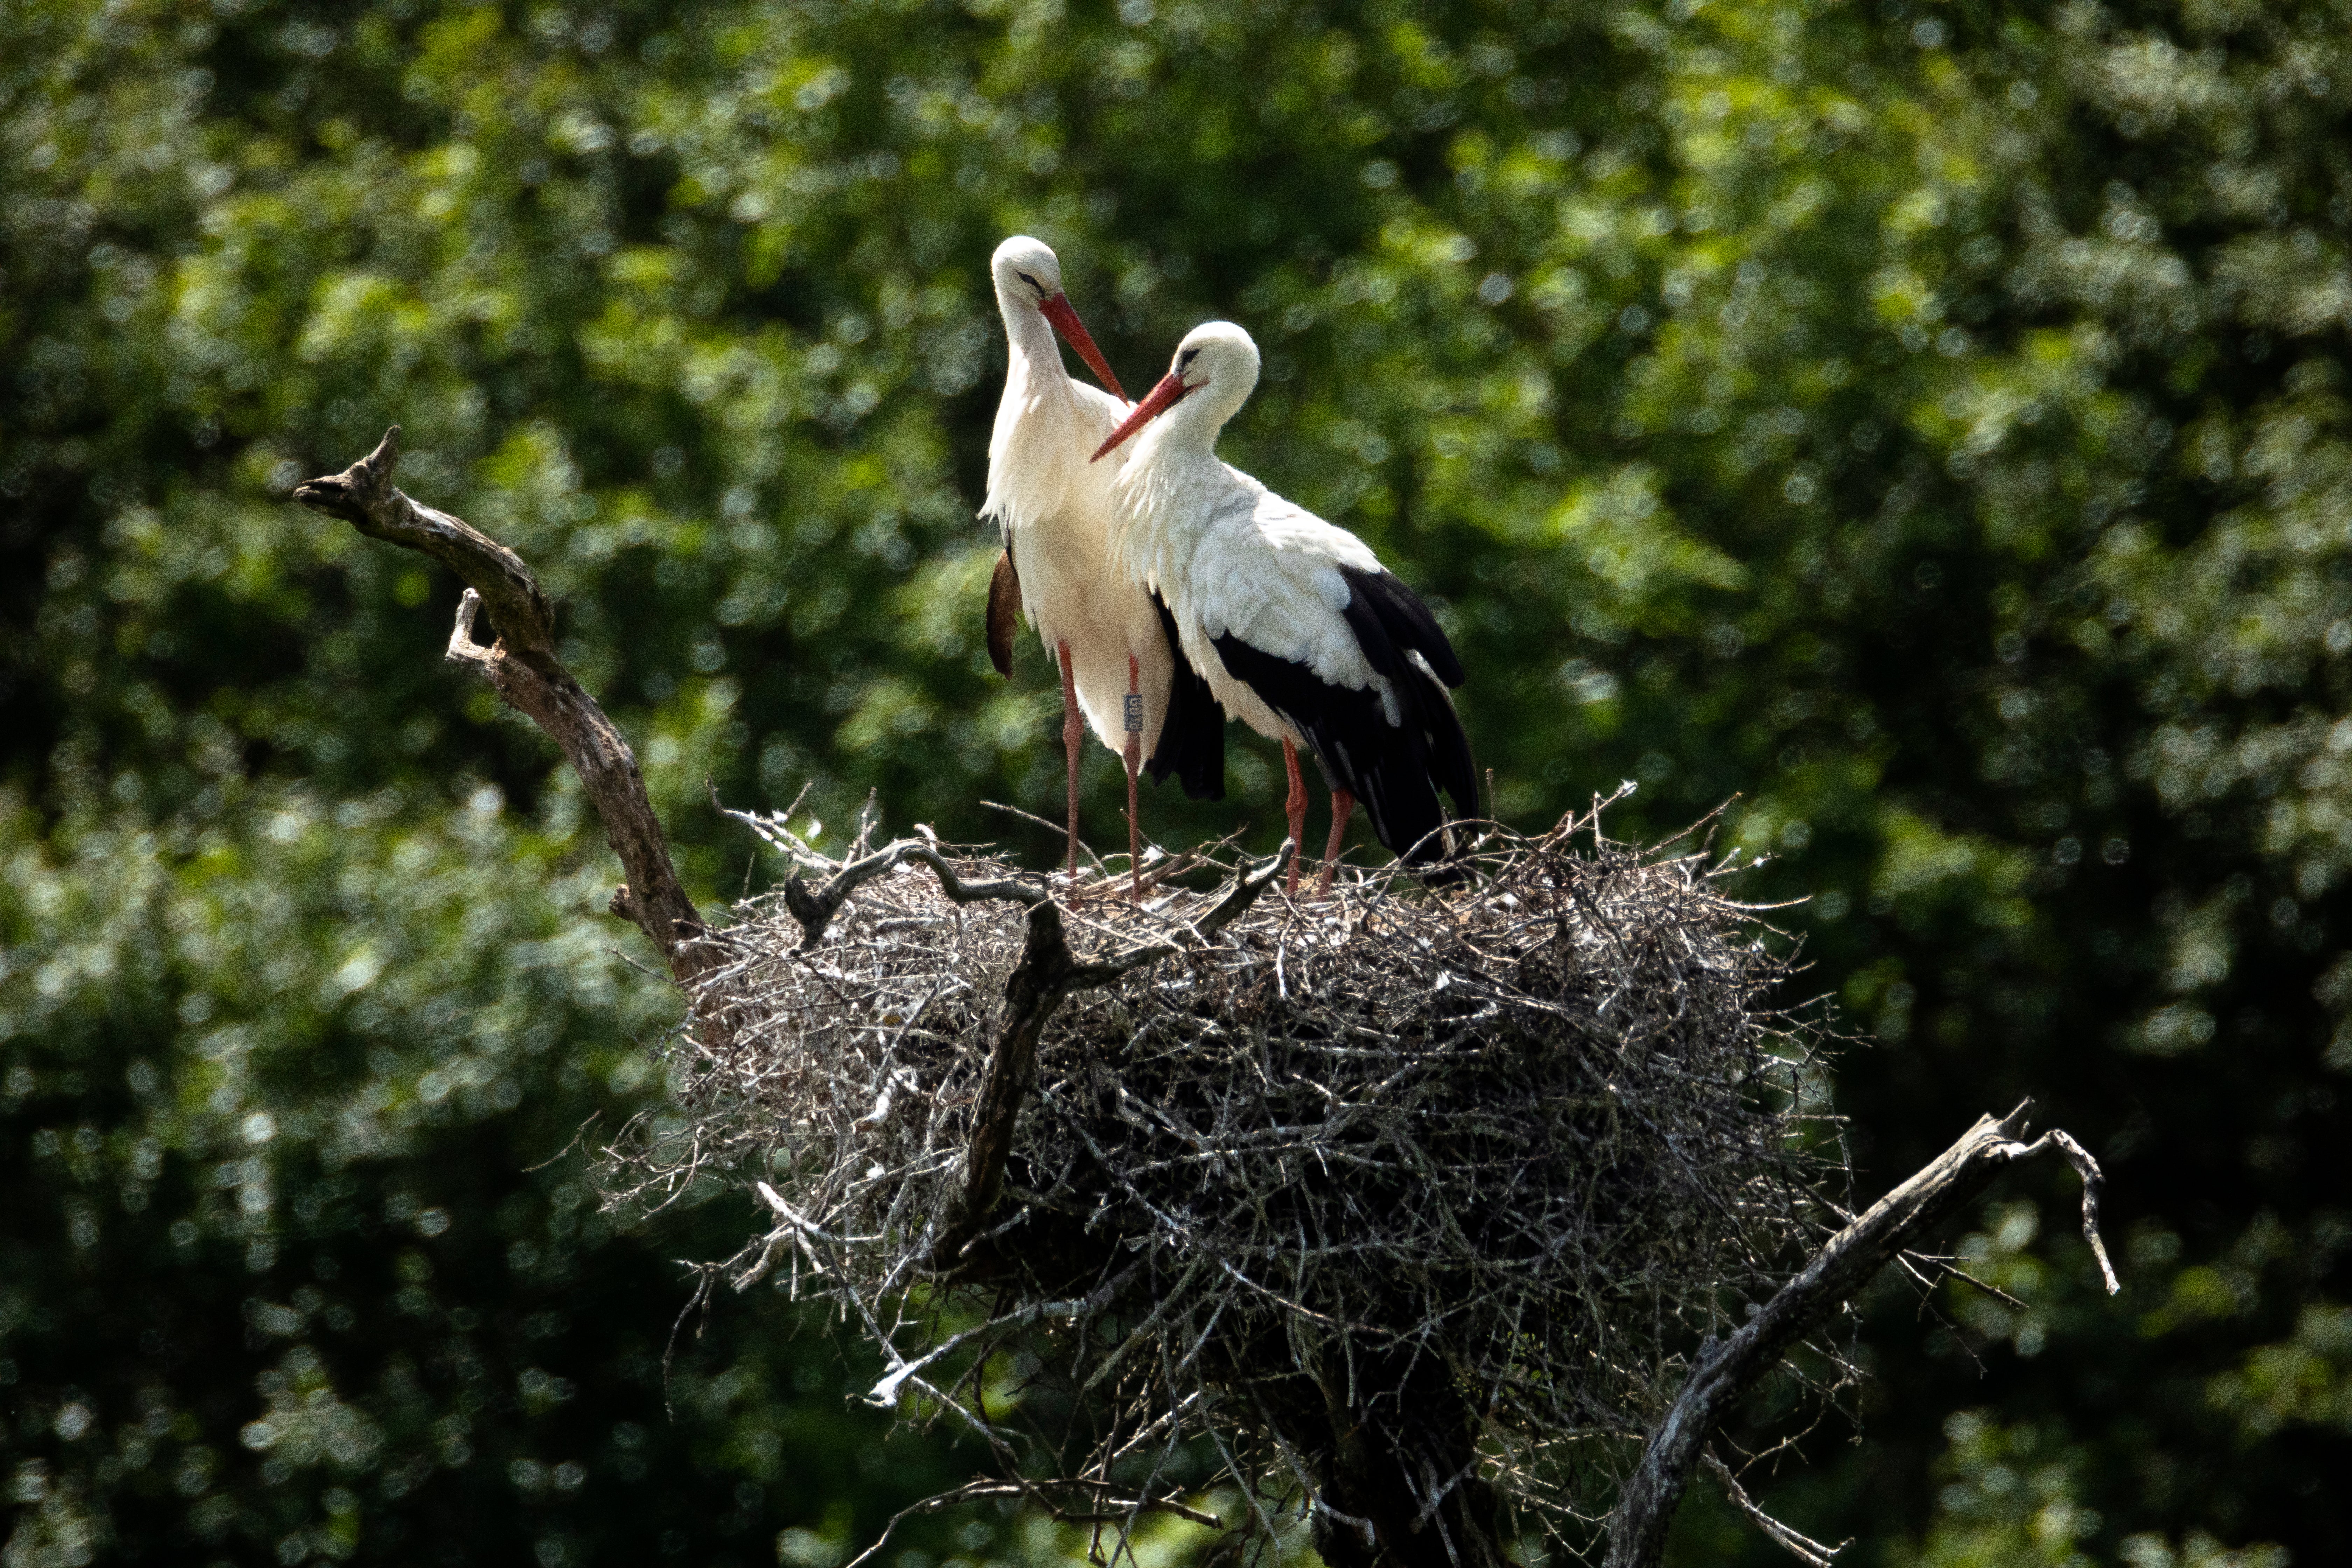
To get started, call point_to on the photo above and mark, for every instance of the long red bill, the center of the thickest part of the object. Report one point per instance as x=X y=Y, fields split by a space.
x=1158 y=401
x=1065 y=317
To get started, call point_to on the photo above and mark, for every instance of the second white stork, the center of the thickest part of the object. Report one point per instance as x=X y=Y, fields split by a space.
x=1117 y=660
x=1297 y=629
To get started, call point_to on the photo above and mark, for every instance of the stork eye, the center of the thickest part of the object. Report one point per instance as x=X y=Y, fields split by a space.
x=1032 y=283
x=1187 y=357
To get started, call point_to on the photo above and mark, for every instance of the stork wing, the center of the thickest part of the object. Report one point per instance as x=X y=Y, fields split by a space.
x=1192 y=736
x=1003 y=613
x=1320 y=640
x=1403 y=641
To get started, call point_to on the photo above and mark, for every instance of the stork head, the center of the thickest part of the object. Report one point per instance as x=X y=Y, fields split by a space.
x=1028 y=271
x=1029 y=276
x=1217 y=362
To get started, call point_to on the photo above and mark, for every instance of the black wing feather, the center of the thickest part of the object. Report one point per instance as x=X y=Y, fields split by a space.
x=1353 y=743
x=1003 y=613
x=1390 y=624
x=1395 y=769
x=1407 y=621
x=1192 y=736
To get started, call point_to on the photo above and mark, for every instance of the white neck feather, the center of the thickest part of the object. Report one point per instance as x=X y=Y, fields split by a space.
x=1172 y=490
x=1037 y=426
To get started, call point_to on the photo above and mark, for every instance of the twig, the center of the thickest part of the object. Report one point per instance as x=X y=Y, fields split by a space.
x=1954 y=1272
x=815 y=908
x=886 y=1393
x=1803 y=1548
x=2094 y=1181
x=1034 y=1492
x=1316 y=1501
x=700 y=1297
x=1057 y=828
x=1244 y=893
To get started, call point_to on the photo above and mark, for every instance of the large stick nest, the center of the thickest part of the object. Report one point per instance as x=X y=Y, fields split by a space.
x=1492 y=1158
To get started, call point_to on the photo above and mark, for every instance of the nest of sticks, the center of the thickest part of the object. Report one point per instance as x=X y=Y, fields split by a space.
x=1406 y=1207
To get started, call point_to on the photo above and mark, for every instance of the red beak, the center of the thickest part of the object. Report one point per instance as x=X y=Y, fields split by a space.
x=1158 y=401
x=1065 y=318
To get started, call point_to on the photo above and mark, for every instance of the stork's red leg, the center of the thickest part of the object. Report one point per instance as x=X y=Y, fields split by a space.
x=1296 y=806
x=1343 y=806
x=1073 y=734
x=1134 y=755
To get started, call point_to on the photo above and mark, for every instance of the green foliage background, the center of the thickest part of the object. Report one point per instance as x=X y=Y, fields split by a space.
x=1928 y=421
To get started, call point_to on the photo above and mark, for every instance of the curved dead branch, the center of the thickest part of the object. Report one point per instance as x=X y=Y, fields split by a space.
x=1727 y=1370
x=523 y=669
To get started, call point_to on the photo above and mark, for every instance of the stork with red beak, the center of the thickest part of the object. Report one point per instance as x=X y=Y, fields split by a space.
x=1300 y=631
x=1118 y=661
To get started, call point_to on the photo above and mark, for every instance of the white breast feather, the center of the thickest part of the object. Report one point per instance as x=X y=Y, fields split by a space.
x=1053 y=507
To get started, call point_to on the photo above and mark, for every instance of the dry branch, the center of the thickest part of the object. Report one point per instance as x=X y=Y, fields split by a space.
x=1725 y=1371
x=815 y=908
x=1048 y=972
x=1804 y=1549
x=522 y=667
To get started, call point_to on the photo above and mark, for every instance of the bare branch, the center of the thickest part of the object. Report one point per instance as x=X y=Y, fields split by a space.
x=1110 y=1509
x=2094 y=1179
x=523 y=669
x=815 y=908
x=1244 y=892
x=1725 y=1371
x=1048 y=973
x=362 y=495
x=1996 y=1292
x=886 y=1392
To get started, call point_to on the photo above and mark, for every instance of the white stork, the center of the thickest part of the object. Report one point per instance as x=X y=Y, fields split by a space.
x=1052 y=506
x=1300 y=631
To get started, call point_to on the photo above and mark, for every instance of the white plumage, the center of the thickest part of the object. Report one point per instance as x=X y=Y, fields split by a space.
x=1052 y=507
x=1293 y=624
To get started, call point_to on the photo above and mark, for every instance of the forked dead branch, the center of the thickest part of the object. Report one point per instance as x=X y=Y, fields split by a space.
x=1444 y=1218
